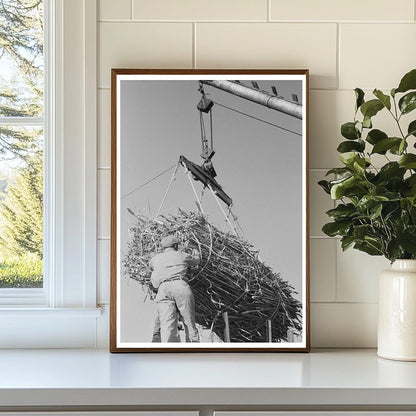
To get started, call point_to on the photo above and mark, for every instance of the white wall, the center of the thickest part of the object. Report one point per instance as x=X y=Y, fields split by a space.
x=345 y=44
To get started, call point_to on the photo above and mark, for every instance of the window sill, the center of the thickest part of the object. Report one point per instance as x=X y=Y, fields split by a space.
x=40 y=327
x=36 y=312
x=22 y=297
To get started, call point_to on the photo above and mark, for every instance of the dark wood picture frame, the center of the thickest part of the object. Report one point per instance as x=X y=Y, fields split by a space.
x=135 y=89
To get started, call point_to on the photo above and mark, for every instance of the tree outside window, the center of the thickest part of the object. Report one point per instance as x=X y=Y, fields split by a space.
x=21 y=143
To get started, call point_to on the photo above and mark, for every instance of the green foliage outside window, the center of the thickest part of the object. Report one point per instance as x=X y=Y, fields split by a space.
x=21 y=146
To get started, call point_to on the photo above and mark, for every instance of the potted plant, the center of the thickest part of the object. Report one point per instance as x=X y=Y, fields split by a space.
x=376 y=209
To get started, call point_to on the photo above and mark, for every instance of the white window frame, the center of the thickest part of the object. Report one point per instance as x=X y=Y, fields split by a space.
x=64 y=312
x=31 y=296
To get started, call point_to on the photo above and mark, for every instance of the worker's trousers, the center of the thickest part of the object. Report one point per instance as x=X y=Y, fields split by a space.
x=174 y=296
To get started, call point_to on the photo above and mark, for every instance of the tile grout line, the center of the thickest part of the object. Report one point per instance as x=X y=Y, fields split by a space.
x=306 y=22
x=131 y=9
x=322 y=237
x=194 y=63
x=343 y=303
x=269 y=10
x=319 y=169
x=336 y=270
x=338 y=64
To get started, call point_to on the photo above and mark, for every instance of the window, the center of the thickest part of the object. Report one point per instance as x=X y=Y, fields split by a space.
x=22 y=128
x=63 y=312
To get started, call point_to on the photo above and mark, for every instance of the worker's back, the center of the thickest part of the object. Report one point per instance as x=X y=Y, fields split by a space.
x=171 y=264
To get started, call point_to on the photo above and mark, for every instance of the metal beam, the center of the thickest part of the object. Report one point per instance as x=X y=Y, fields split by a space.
x=259 y=97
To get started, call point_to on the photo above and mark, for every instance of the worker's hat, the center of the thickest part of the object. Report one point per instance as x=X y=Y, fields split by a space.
x=169 y=241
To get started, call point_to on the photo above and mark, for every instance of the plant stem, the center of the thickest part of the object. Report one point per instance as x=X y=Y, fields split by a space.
x=397 y=118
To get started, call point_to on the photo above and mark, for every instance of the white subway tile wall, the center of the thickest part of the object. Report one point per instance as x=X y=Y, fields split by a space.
x=319 y=203
x=200 y=10
x=375 y=55
x=145 y=45
x=114 y=10
x=345 y=44
x=355 y=10
x=270 y=45
x=103 y=270
x=339 y=325
x=323 y=269
x=357 y=275
x=104 y=128
x=104 y=202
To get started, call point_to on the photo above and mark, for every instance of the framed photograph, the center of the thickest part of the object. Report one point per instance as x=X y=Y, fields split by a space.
x=209 y=211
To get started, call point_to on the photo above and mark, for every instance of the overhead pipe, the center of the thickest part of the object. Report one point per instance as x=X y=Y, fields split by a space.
x=259 y=97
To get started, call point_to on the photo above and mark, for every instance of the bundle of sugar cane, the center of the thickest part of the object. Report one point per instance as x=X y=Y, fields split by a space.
x=230 y=278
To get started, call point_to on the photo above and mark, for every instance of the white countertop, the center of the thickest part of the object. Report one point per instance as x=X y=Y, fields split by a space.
x=96 y=377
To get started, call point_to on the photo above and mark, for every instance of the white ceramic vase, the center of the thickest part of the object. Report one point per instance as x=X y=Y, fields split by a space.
x=397 y=312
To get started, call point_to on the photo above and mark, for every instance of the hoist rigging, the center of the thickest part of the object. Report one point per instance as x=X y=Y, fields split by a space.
x=205 y=173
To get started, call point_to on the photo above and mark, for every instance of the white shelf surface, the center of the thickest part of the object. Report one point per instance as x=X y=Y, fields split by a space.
x=96 y=377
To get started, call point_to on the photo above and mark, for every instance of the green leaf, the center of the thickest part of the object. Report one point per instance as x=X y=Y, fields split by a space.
x=338 y=171
x=341 y=179
x=375 y=136
x=385 y=99
x=413 y=211
x=408 y=161
x=408 y=102
x=393 y=250
x=333 y=229
x=375 y=211
x=349 y=158
x=411 y=185
x=350 y=131
x=342 y=211
x=374 y=243
x=407 y=240
x=349 y=146
x=371 y=108
x=361 y=231
x=359 y=165
x=367 y=122
x=408 y=82
x=369 y=201
x=392 y=196
x=383 y=145
x=325 y=186
x=411 y=180
x=369 y=248
x=359 y=95
x=338 y=190
x=346 y=242
x=391 y=170
x=412 y=201
x=399 y=148
x=411 y=130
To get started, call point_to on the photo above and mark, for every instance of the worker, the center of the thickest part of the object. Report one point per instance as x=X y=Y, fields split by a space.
x=169 y=269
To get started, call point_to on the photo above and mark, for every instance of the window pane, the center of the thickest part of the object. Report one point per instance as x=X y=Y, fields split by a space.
x=21 y=58
x=21 y=207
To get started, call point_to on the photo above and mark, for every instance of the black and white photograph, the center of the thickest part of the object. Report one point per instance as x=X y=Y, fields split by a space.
x=209 y=241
